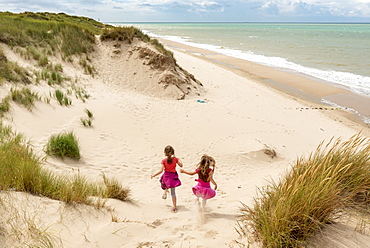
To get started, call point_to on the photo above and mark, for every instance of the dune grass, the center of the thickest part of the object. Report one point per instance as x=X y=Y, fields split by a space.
x=21 y=170
x=89 y=69
x=128 y=34
x=11 y=71
x=56 y=32
x=37 y=36
x=51 y=75
x=63 y=145
x=85 y=22
x=21 y=226
x=24 y=97
x=312 y=194
x=62 y=98
x=89 y=113
x=4 y=106
x=86 y=122
x=113 y=189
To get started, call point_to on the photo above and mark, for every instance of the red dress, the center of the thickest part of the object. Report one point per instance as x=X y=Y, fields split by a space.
x=170 y=178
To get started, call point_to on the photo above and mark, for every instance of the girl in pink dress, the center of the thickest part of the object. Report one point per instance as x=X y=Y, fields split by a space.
x=170 y=178
x=205 y=177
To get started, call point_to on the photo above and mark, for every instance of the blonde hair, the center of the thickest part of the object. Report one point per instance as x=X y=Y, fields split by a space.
x=169 y=151
x=203 y=167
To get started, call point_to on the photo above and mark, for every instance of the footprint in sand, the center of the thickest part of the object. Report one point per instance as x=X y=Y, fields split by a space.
x=155 y=223
x=184 y=228
x=212 y=234
x=103 y=136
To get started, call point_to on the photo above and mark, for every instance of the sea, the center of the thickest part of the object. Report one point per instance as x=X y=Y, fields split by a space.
x=336 y=53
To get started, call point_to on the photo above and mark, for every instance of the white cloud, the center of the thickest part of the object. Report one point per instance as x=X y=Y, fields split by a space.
x=204 y=10
x=205 y=6
x=207 y=3
x=335 y=8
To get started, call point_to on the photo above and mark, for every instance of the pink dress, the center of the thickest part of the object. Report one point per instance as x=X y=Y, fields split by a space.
x=203 y=189
x=170 y=178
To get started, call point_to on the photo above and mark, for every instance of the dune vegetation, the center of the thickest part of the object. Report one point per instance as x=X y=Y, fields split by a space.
x=128 y=34
x=39 y=37
x=22 y=170
x=331 y=181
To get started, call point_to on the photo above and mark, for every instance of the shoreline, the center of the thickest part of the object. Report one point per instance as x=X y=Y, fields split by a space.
x=295 y=84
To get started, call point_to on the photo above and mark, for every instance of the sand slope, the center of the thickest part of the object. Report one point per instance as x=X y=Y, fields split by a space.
x=234 y=120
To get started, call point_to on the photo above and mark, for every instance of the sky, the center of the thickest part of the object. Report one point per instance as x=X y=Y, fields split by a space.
x=201 y=10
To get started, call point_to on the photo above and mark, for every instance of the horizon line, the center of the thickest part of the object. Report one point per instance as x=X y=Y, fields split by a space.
x=308 y=22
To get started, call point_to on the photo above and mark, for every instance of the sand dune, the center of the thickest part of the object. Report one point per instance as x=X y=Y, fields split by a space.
x=231 y=118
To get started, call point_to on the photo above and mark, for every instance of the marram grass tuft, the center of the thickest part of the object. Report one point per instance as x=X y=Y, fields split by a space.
x=334 y=177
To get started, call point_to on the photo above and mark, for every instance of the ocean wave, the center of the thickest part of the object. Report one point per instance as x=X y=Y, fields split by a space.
x=355 y=83
x=349 y=110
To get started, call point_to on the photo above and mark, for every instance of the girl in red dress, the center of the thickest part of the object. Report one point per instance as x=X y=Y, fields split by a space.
x=170 y=178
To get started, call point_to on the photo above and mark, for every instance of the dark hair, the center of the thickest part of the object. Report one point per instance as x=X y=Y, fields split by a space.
x=169 y=151
x=203 y=167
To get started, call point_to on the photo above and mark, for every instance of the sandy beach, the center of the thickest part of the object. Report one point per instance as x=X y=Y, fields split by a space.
x=234 y=118
x=291 y=82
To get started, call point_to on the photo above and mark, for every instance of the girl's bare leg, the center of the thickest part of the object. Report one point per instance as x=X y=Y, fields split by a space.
x=174 y=204
x=173 y=194
x=164 y=196
x=204 y=201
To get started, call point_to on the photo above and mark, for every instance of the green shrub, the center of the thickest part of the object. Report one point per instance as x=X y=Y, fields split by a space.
x=63 y=145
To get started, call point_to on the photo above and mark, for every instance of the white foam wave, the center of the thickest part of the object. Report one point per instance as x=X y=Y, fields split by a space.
x=349 y=110
x=356 y=83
